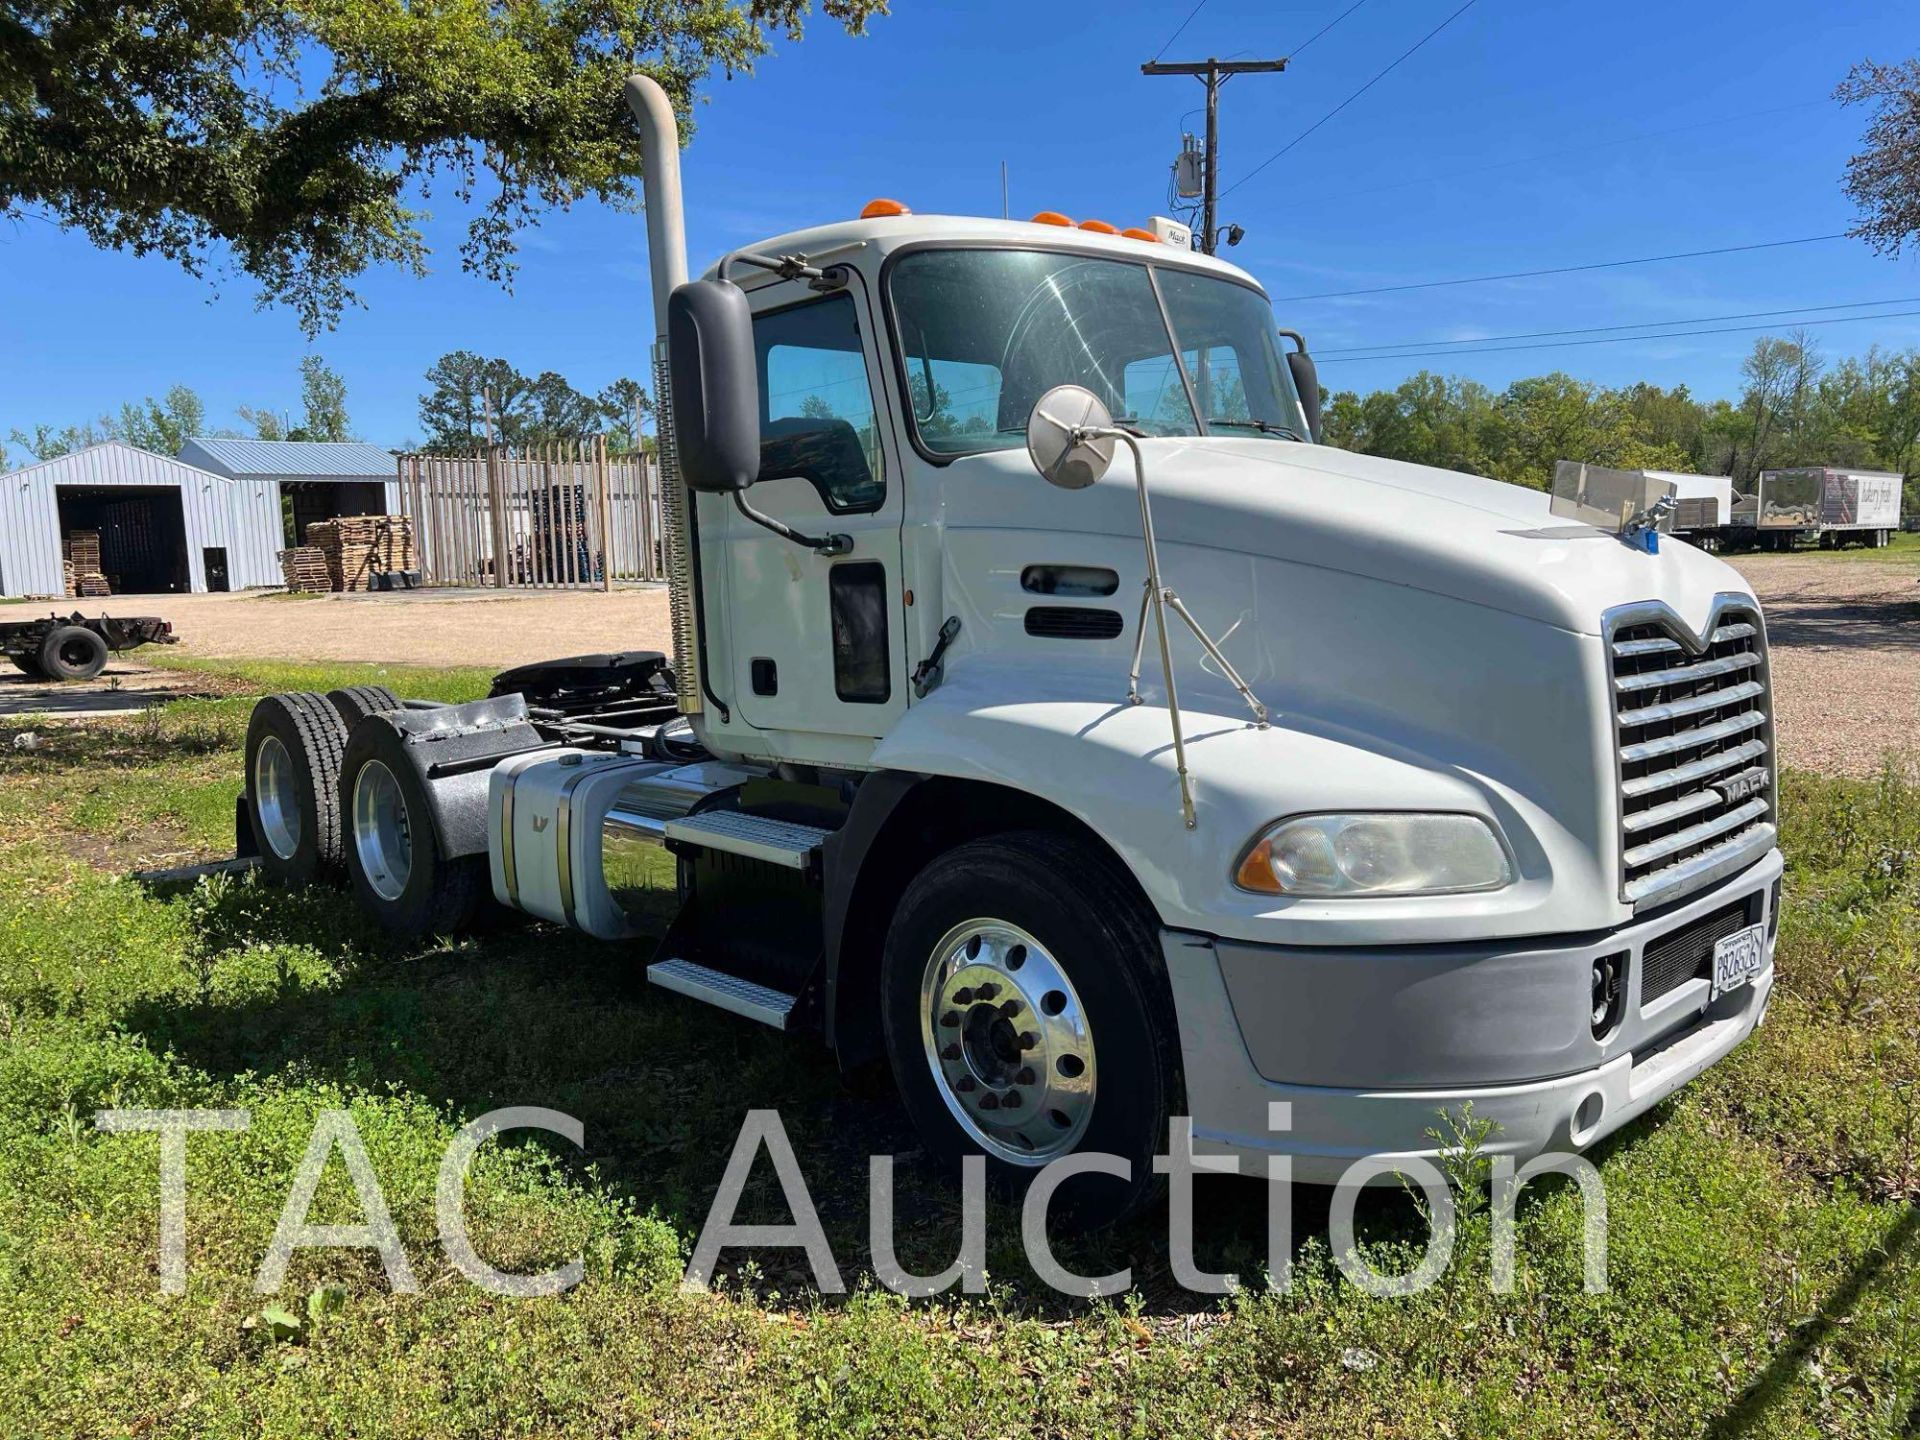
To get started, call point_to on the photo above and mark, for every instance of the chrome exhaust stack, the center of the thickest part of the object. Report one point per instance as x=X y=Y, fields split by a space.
x=667 y=259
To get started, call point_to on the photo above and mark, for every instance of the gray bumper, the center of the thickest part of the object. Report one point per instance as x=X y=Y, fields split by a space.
x=1368 y=1045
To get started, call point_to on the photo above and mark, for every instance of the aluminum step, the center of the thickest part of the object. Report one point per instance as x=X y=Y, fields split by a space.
x=777 y=842
x=727 y=992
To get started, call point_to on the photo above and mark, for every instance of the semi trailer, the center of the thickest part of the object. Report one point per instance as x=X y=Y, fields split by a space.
x=1832 y=506
x=1054 y=719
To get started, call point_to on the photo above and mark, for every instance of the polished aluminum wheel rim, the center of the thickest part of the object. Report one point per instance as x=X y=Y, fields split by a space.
x=276 y=799
x=1007 y=1040
x=382 y=833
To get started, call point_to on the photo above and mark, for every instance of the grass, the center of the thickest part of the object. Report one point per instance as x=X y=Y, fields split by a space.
x=1765 y=1242
x=1903 y=548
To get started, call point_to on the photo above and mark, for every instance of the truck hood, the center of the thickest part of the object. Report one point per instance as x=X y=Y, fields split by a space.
x=1452 y=534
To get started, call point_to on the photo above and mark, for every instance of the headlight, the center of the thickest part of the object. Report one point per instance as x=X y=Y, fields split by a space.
x=1378 y=854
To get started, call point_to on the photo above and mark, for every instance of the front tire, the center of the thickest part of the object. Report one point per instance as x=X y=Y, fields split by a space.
x=1027 y=1017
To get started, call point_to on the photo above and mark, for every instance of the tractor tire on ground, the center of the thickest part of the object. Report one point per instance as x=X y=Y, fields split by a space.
x=28 y=665
x=294 y=745
x=356 y=702
x=72 y=652
x=1027 y=1016
x=399 y=875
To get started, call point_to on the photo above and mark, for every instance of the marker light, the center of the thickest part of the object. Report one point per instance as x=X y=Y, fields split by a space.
x=1052 y=217
x=876 y=209
x=1099 y=227
x=1134 y=232
x=1376 y=854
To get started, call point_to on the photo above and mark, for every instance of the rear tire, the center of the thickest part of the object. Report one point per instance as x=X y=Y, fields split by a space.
x=294 y=745
x=1074 y=1044
x=356 y=702
x=393 y=857
x=28 y=665
x=72 y=652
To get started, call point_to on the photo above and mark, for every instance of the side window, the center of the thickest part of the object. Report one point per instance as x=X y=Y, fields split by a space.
x=817 y=417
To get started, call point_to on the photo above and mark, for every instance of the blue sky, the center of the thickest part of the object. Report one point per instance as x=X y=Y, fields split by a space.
x=1678 y=126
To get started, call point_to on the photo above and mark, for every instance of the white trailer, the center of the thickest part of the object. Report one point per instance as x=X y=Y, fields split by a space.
x=1834 y=506
x=1053 y=719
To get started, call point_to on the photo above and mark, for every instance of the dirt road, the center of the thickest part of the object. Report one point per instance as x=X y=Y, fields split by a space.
x=426 y=627
x=1845 y=632
x=1845 y=637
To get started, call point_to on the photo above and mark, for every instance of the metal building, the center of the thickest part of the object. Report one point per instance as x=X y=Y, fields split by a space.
x=165 y=526
x=319 y=480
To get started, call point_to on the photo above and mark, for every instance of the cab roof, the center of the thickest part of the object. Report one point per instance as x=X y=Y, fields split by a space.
x=848 y=241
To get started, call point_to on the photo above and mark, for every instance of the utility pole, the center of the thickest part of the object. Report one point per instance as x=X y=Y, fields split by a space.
x=1214 y=73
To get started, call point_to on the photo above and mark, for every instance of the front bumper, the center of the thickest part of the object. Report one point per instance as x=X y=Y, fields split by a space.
x=1369 y=1046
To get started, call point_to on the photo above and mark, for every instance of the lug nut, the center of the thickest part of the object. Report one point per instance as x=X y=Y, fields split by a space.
x=1011 y=1008
x=1028 y=1039
x=964 y=1084
x=950 y=1019
x=987 y=991
x=952 y=1052
x=1025 y=1077
x=989 y=1101
x=963 y=997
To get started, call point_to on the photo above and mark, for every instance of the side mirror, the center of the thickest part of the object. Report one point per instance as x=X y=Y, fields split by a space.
x=716 y=386
x=1306 y=382
x=1061 y=459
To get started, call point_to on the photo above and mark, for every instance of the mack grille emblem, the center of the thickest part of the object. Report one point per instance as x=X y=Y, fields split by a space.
x=1736 y=788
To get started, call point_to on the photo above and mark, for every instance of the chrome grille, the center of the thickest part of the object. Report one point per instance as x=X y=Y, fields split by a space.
x=1694 y=731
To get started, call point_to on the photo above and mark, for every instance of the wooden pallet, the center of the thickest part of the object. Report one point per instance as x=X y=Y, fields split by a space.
x=304 y=567
x=358 y=547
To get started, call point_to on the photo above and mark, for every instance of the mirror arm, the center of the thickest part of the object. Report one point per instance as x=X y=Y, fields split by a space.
x=788 y=267
x=829 y=545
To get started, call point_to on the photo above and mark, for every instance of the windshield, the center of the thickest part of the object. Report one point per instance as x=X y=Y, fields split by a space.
x=985 y=333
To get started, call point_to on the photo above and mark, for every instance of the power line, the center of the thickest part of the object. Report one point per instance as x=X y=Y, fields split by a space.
x=1560 y=269
x=1451 y=174
x=1181 y=31
x=1294 y=54
x=1602 y=329
x=1618 y=339
x=1349 y=100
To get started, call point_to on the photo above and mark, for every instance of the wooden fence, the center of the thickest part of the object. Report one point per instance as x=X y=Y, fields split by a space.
x=566 y=515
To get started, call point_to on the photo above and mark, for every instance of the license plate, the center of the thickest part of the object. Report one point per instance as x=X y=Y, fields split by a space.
x=1737 y=959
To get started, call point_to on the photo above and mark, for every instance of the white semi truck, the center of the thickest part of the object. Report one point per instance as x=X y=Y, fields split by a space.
x=1457 y=804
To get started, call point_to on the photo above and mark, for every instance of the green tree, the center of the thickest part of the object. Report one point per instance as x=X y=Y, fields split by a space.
x=625 y=406
x=185 y=130
x=163 y=425
x=323 y=395
x=1883 y=179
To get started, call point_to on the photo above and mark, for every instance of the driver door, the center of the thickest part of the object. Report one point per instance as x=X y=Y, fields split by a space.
x=815 y=642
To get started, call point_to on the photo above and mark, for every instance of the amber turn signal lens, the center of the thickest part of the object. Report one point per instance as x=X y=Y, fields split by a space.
x=876 y=209
x=1256 y=871
x=1052 y=217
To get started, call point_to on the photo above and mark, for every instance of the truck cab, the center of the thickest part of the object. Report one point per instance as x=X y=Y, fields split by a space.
x=1438 y=799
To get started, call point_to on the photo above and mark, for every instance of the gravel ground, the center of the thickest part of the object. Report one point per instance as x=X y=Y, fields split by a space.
x=1845 y=638
x=426 y=627
x=1845 y=632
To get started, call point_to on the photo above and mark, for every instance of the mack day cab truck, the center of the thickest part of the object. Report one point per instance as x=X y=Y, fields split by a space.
x=1492 y=820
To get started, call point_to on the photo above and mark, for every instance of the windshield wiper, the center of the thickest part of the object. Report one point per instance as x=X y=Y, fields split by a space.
x=1265 y=427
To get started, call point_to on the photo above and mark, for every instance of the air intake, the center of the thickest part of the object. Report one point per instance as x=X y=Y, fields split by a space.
x=1070 y=622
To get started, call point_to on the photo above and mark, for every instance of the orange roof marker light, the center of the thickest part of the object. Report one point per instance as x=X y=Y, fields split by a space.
x=1134 y=232
x=1099 y=227
x=878 y=209
x=1052 y=217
